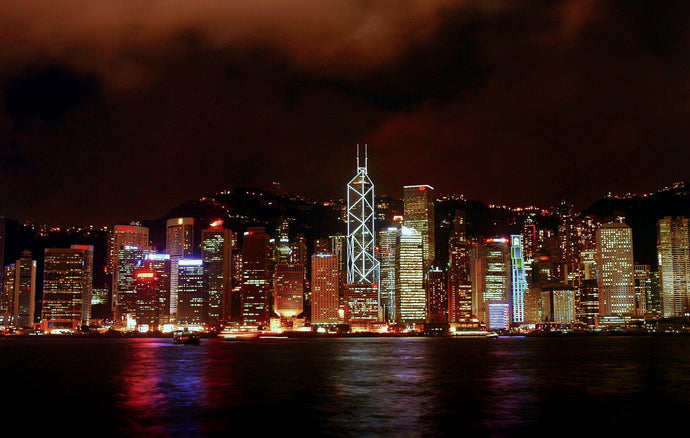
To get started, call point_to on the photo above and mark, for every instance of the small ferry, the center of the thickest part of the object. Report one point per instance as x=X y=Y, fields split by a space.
x=186 y=337
x=474 y=334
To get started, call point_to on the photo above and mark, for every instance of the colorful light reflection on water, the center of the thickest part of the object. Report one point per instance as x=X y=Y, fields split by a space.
x=372 y=387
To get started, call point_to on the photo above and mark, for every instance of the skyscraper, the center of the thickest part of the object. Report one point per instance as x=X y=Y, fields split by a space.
x=643 y=288
x=65 y=277
x=88 y=285
x=362 y=266
x=558 y=303
x=387 y=254
x=7 y=296
x=616 y=278
x=518 y=280
x=24 y=290
x=151 y=285
x=129 y=259
x=289 y=289
x=256 y=279
x=122 y=236
x=437 y=296
x=191 y=293
x=673 y=251
x=325 y=283
x=216 y=253
x=410 y=293
x=459 y=272
x=179 y=244
x=361 y=303
x=492 y=276
x=419 y=215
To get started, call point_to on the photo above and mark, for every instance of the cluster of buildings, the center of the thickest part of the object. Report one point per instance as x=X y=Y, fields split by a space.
x=581 y=276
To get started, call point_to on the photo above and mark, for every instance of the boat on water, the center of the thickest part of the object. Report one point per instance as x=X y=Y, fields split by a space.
x=474 y=334
x=186 y=337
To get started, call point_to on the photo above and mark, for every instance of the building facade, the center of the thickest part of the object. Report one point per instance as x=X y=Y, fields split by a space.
x=410 y=293
x=325 y=293
x=419 y=215
x=673 y=252
x=216 y=253
x=615 y=268
x=179 y=243
x=65 y=282
x=256 y=278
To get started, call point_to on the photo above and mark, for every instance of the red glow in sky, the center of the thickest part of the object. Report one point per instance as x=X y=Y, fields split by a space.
x=512 y=103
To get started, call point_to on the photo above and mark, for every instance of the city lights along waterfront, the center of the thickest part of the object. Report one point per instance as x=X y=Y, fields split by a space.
x=256 y=262
x=375 y=323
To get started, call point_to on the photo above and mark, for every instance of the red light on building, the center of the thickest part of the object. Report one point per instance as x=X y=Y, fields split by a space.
x=496 y=240
x=421 y=188
x=144 y=275
x=217 y=223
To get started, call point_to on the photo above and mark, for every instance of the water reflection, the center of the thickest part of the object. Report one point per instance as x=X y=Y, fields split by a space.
x=381 y=386
x=401 y=387
x=163 y=388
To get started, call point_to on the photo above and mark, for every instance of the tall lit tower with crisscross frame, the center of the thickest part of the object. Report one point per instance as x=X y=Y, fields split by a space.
x=362 y=265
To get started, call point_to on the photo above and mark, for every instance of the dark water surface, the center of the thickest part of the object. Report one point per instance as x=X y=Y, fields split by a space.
x=348 y=387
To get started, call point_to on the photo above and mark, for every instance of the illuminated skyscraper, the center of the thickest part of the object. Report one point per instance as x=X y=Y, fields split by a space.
x=151 y=283
x=673 y=252
x=338 y=247
x=129 y=259
x=256 y=279
x=558 y=303
x=362 y=266
x=459 y=273
x=7 y=296
x=65 y=281
x=437 y=296
x=122 y=236
x=88 y=272
x=191 y=293
x=24 y=290
x=289 y=289
x=529 y=239
x=615 y=270
x=361 y=303
x=419 y=215
x=410 y=293
x=325 y=293
x=387 y=253
x=492 y=276
x=587 y=302
x=179 y=244
x=518 y=282
x=216 y=252
x=643 y=288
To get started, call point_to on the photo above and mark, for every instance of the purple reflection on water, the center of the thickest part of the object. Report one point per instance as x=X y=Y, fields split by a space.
x=162 y=388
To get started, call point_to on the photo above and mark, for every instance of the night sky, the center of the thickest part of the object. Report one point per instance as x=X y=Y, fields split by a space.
x=120 y=110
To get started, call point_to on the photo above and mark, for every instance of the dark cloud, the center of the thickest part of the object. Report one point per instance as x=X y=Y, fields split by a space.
x=127 y=109
x=46 y=93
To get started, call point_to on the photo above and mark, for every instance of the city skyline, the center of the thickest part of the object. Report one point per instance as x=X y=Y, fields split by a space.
x=116 y=112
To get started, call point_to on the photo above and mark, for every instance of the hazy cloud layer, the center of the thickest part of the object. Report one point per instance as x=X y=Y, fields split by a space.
x=121 y=109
